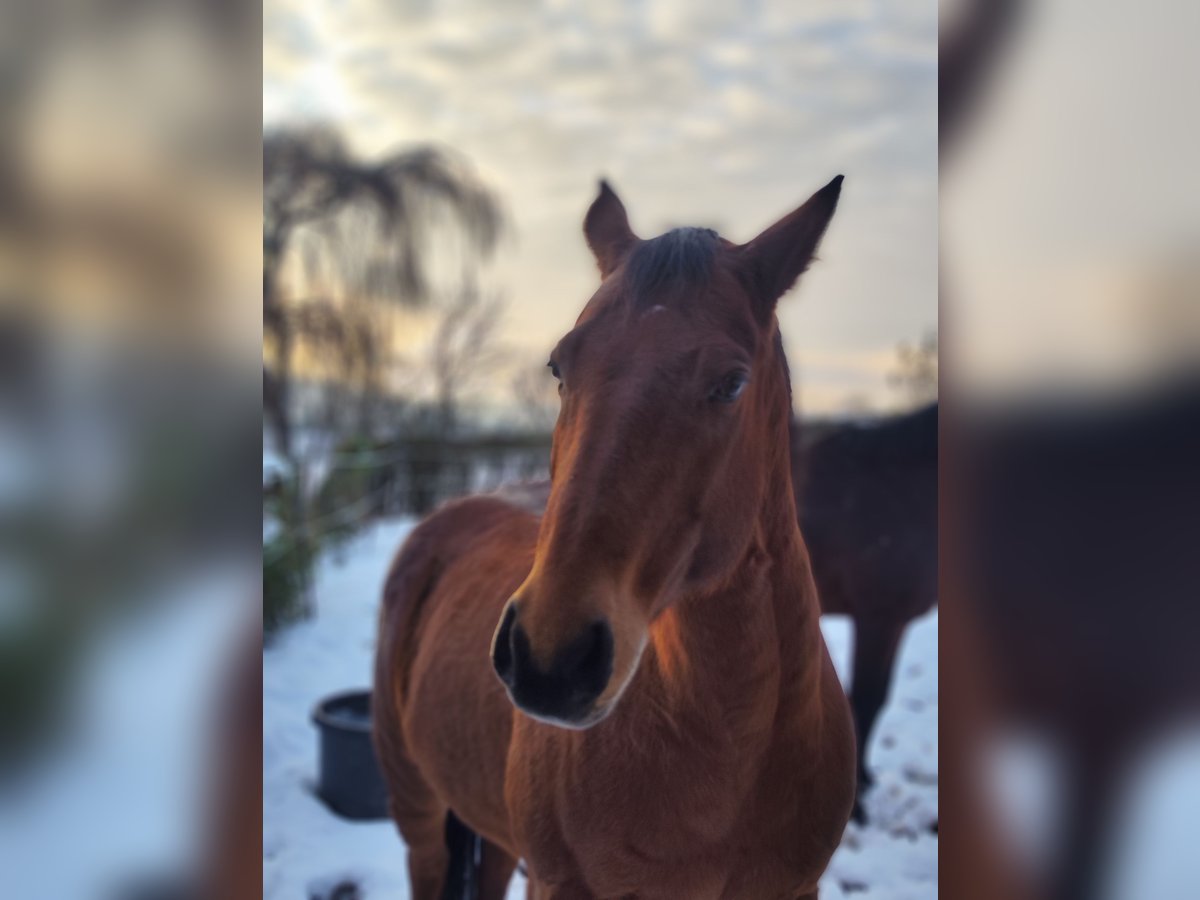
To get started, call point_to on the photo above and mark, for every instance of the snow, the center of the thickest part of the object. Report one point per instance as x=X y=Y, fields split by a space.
x=895 y=855
x=308 y=851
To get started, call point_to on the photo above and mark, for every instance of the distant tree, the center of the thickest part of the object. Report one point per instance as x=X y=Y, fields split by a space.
x=464 y=352
x=364 y=225
x=916 y=371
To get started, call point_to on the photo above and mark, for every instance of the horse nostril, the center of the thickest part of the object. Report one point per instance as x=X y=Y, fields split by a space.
x=590 y=660
x=502 y=644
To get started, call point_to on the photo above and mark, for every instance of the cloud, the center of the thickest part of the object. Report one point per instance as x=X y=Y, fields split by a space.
x=728 y=115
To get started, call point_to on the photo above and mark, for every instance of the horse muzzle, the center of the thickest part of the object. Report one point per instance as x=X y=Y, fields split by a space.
x=565 y=692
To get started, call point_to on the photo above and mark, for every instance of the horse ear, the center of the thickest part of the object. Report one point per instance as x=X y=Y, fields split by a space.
x=606 y=227
x=770 y=264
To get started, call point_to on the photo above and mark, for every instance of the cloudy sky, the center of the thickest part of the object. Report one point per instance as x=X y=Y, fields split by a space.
x=727 y=117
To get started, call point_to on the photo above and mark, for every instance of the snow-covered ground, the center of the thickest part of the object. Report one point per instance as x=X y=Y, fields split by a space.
x=308 y=851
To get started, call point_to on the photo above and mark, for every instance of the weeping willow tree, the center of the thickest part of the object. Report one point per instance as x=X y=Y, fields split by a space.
x=360 y=232
x=347 y=243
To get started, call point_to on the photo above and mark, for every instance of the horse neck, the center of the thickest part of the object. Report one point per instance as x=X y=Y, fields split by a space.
x=750 y=648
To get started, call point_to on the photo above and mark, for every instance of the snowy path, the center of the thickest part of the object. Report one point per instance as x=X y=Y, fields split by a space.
x=307 y=851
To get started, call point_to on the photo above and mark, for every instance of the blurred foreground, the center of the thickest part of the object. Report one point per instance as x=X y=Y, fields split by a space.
x=129 y=426
x=1070 y=597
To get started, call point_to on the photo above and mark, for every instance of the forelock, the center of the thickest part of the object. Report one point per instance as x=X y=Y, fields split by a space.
x=680 y=259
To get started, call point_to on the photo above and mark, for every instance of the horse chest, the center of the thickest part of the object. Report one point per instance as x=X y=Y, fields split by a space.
x=654 y=815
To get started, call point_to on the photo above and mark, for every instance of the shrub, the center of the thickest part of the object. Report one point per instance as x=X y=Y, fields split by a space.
x=288 y=556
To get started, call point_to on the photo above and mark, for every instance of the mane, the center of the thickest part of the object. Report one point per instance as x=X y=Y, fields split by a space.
x=678 y=259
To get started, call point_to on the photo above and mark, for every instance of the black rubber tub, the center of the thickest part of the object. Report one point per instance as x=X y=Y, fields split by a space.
x=349 y=780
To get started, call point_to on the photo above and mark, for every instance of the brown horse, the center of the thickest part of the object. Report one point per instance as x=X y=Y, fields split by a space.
x=679 y=728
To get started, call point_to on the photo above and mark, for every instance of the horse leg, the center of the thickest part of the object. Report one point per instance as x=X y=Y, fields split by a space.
x=428 y=857
x=475 y=869
x=1093 y=779
x=875 y=644
x=420 y=817
x=495 y=872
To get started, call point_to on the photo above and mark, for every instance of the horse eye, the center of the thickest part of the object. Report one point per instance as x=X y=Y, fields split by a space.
x=730 y=387
x=553 y=367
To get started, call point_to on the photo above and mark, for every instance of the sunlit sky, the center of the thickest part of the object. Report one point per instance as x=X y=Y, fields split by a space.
x=720 y=114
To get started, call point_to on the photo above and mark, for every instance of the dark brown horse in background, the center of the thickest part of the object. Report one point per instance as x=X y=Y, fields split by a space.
x=867 y=497
x=679 y=729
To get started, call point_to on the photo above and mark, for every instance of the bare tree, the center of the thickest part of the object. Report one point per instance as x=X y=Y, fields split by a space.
x=464 y=352
x=366 y=224
x=916 y=371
